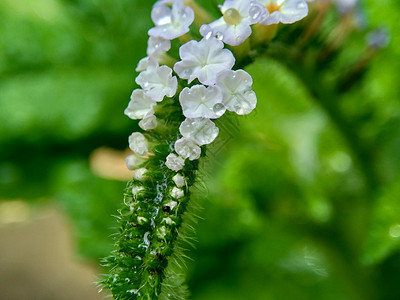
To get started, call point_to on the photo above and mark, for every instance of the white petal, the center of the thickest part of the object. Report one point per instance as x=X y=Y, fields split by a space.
x=199 y=101
x=174 y=162
x=171 y=23
x=290 y=11
x=177 y=193
x=238 y=95
x=133 y=161
x=203 y=60
x=142 y=64
x=231 y=35
x=187 y=149
x=138 y=143
x=201 y=130
x=293 y=11
x=149 y=122
x=139 y=106
x=233 y=28
x=140 y=174
x=156 y=45
x=161 y=14
x=179 y=180
x=158 y=82
x=257 y=12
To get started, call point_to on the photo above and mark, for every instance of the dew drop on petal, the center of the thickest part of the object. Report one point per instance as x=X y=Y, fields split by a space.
x=232 y=16
x=219 y=109
x=219 y=36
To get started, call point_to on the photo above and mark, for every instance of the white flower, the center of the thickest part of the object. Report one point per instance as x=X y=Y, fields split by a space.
x=201 y=130
x=142 y=64
x=148 y=122
x=140 y=174
x=284 y=11
x=174 y=162
x=171 y=23
x=238 y=95
x=157 y=45
x=187 y=148
x=200 y=101
x=177 y=193
x=133 y=161
x=234 y=26
x=156 y=48
x=157 y=82
x=203 y=60
x=139 y=106
x=138 y=143
x=171 y=204
x=179 y=180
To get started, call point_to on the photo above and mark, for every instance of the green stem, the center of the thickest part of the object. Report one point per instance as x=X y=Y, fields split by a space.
x=150 y=219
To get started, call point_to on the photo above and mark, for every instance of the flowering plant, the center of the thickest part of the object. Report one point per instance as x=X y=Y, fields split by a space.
x=180 y=98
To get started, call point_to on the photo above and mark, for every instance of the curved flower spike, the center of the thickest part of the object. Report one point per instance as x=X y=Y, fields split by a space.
x=203 y=60
x=157 y=82
x=139 y=106
x=238 y=95
x=170 y=22
x=187 y=148
x=200 y=101
x=284 y=11
x=234 y=25
x=201 y=130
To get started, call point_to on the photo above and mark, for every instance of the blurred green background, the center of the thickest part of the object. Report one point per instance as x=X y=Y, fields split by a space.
x=291 y=207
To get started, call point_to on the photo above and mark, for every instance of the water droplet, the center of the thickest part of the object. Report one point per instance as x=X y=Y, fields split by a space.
x=219 y=109
x=219 y=36
x=232 y=16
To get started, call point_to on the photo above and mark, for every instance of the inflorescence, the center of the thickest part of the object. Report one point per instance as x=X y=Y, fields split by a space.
x=211 y=87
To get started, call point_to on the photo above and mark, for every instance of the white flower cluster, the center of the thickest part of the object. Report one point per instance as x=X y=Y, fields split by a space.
x=217 y=87
x=234 y=27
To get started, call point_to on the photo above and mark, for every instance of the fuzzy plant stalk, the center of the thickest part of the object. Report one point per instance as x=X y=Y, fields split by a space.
x=192 y=75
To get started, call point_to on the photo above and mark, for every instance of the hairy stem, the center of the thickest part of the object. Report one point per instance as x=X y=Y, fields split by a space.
x=151 y=218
